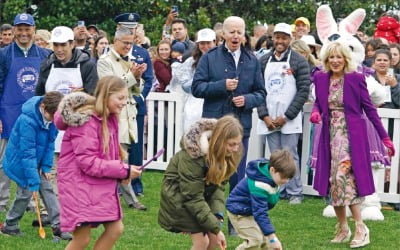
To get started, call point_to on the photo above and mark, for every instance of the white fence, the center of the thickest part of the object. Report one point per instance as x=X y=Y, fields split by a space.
x=165 y=130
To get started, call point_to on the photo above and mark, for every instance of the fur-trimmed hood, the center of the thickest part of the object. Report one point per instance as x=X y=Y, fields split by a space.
x=76 y=108
x=195 y=141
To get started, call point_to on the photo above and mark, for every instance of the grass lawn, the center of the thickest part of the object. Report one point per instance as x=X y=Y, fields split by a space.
x=298 y=227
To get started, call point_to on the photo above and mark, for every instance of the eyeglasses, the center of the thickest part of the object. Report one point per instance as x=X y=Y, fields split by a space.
x=126 y=43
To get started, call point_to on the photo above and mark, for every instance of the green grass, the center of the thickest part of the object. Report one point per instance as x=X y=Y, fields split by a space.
x=298 y=227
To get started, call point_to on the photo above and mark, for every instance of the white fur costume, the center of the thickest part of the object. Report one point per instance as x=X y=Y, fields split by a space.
x=328 y=31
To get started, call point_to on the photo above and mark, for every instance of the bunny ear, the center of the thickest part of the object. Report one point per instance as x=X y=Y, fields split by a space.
x=326 y=24
x=352 y=22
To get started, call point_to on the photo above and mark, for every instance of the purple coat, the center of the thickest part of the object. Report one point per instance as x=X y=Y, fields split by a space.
x=356 y=100
x=87 y=179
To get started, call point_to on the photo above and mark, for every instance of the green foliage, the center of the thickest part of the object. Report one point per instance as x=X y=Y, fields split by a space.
x=198 y=13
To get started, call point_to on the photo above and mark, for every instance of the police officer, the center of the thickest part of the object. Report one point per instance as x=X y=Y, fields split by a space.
x=19 y=74
x=141 y=56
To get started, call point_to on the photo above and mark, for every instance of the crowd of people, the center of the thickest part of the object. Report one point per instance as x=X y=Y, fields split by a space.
x=73 y=107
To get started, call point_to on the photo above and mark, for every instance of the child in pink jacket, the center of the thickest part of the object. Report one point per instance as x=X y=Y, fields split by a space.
x=90 y=164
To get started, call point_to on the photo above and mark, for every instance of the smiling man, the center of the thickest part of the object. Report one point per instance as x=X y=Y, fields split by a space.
x=19 y=73
x=119 y=61
x=287 y=81
x=229 y=79
x=67 y=69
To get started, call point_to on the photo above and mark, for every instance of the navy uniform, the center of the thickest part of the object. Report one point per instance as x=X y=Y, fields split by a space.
x=141 y=55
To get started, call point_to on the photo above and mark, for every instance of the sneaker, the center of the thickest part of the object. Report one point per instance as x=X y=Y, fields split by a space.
x=45 y=221
x=62 y=235
x=295 y=200
x=10 y=232
x=140 y=194
x=138 y=205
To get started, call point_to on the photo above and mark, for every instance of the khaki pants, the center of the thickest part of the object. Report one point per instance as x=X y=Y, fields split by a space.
x=248 y=230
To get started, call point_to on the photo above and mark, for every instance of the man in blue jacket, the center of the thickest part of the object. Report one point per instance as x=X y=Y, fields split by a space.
x=19 y=73
x=229 y=79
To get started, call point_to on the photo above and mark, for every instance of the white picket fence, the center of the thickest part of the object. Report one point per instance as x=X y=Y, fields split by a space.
x=166 y=110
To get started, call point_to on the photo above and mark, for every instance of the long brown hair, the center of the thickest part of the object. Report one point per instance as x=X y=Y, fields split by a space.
x=158 y=57
x=105 y=87
x=222 y=165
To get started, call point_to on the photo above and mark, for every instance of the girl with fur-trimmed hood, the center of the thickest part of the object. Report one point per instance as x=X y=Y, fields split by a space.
x=192 y=192
x=90 y=164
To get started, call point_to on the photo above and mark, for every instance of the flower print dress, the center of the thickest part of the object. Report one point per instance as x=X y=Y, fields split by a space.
x=343 y=191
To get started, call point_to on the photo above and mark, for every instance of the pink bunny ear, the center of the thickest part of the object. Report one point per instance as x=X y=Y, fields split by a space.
x=352 y=22
x=326 y=24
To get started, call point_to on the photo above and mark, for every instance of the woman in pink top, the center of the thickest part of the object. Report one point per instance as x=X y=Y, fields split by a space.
x=91 y=163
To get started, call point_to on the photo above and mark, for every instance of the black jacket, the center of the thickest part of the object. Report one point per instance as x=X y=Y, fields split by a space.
x=302 y=75
x=88 y=70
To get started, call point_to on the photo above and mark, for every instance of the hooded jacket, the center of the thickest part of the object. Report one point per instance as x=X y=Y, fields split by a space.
x=79 y=57
x=255 y=195
x=30 y=147
x=187 y=203
x=87 y=177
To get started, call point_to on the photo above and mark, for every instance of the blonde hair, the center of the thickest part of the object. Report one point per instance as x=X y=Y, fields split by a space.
x=338 y=48
x=221 y=165
x=301 y=47
x=105 y=87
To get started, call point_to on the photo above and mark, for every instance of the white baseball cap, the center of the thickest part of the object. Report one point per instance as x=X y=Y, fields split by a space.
x=61 y=34
x=205 y=35
x=283 y=28
x=310 y=40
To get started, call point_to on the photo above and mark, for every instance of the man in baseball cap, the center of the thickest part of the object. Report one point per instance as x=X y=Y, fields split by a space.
x=302 y=27
x=20 y=66
x=68 y=68
x=287 y=81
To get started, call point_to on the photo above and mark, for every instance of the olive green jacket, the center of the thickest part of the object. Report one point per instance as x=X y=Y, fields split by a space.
x=188 y=204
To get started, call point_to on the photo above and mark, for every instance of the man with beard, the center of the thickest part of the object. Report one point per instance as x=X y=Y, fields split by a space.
x=287 y=81
x=19 y=74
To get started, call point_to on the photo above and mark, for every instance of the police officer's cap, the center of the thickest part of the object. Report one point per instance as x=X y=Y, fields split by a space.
x=129 y=20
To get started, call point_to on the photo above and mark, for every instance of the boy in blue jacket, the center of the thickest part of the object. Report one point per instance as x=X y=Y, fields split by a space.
x=250 y=200
x=28 y=160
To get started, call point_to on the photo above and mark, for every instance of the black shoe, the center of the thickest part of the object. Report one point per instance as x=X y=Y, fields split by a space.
x=45 y=221
x=138 y=206
x=10 y=232
x=62 y=235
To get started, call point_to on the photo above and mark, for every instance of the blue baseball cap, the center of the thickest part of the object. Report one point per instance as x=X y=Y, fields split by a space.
x=24 y=18
x=129 y=20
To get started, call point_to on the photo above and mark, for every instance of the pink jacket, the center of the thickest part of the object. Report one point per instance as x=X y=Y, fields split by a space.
x=87 y=178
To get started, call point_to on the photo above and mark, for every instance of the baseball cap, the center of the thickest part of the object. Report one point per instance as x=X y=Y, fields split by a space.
x=61 y=34
x=283 y=28
x=310 y=40
x=303 y=20
x=93 y=26
x=179 y=47
x=129 y=20
x=205 y=35
x=24 y=18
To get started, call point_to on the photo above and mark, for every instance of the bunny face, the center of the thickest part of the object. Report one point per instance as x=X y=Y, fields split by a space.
x=329 y=31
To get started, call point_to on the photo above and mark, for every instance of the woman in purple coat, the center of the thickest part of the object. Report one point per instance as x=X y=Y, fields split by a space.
x=343 y=168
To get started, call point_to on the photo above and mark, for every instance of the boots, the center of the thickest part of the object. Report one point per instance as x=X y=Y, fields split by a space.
x=362 y=235
x=342 y=234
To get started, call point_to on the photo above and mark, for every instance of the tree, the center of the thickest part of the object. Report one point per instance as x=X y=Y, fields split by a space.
x=198 y=13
